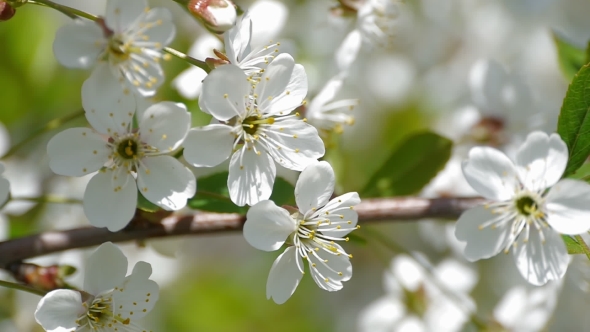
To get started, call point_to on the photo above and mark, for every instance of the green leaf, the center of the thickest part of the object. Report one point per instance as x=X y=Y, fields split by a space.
x=411 y=166
x=573 y=247
x=574 y=120
x=357 y=239
x=213 y=195
x=582 y=173
x=283 y=193
x=145 y=205
x=571 y=58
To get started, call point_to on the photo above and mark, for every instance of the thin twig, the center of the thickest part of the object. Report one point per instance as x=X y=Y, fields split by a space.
x=385 y=209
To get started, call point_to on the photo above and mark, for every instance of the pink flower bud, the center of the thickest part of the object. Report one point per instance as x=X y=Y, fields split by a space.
x=217 y=15
x=6 y=11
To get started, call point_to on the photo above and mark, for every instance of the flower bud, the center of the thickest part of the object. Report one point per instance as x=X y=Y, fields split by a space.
x=6 y=11
x=217 y=15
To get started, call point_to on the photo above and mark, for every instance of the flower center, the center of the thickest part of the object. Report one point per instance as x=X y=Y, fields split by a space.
x=416 y=301
x=526 y=205
x=128 y=149
x=100 y=314
x=251 y=124
x=118 y=49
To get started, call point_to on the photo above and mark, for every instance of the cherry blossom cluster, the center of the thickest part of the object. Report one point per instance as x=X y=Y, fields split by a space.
x=132 y=147
x=137 y=149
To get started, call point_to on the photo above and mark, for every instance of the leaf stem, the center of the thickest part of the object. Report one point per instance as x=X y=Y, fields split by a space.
x=189 y=59
x=53 y=124
x=583 y=244
x=69 y=11
x=16 y=286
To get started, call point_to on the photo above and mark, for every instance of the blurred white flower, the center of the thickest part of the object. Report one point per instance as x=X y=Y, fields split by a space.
x=111 y=195
x=505 y=104
x=376 y=22
x=527 y=310
x=255 y=115
x=311 y=231
x=110 y=300
x=325 y=113
x=415 y=302
x=126 y=47
x=524 y=216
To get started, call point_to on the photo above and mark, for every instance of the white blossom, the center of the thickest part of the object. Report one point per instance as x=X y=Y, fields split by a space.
x=527 y=310
x=110 y=301
x=312 y=233
x=325 y=113
x=128 y=159
x=524 y=216
x=257 y=127
x=376 y=23
x=125 y=49
x=240 y=51
x=414 y=300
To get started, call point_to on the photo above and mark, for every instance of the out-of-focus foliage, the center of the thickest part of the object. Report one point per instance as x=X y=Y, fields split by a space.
x=571 y=57
x=411 y=166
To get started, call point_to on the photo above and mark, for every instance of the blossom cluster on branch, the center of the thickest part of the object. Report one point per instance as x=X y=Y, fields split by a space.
x=141 y=153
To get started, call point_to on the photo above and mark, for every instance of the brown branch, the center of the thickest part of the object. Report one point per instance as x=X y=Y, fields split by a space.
x=386 y=209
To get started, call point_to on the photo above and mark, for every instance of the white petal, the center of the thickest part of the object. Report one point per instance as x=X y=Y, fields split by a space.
x=237 y=39
x=326 y=95
x=77 y=152
x=208 y=146
x=105 y=269
x=340 y=222
x=487 y=79
x=490 y=173
x=161 y=30
x=79 y=44
x=137 y=295
x=190 y=82
x=568 y=211
x=268 y=226
x=314 y=186
x=106 y=207
x=381 y=315
x=282 y=87
x=225 y=91
x=121 y=14
x=485 y=242
x=168 y=183
x=348 y=50
x=329 y=270
x=109 y=106
x=538 y=261
x=59 y=309
x=284 y=276
x=142 y=74
x=541 y=160
x=299 y=142
x=165 y=125
x=251 y=177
